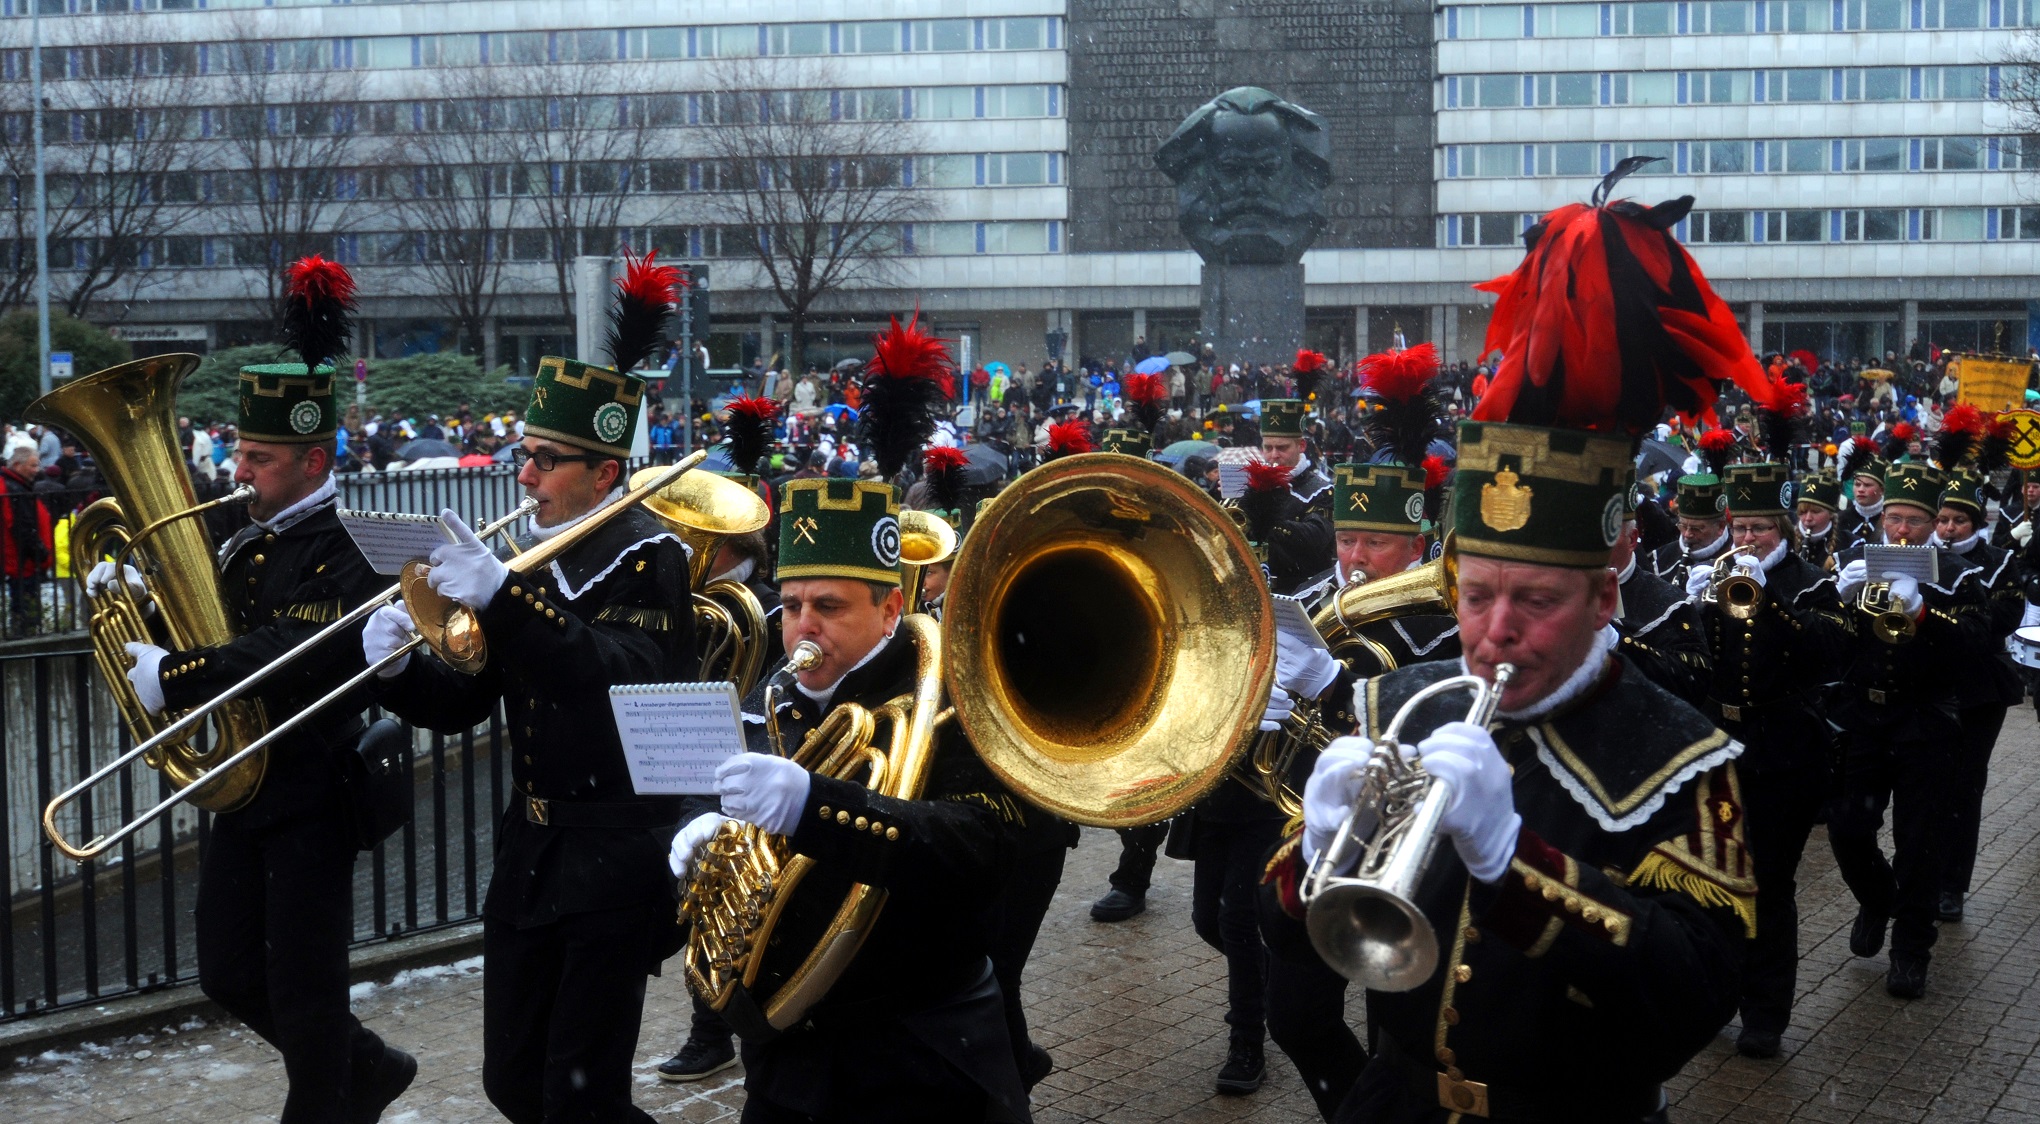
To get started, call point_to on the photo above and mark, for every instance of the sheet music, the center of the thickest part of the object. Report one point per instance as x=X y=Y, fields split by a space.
x=676 y=734
x=388 y=539
x=1293 y=621
x=1921 y=563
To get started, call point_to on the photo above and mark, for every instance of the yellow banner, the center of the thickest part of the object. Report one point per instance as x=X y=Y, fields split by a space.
x=1990 y=384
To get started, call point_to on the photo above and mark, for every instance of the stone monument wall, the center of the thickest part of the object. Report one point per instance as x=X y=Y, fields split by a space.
x=1139 y=67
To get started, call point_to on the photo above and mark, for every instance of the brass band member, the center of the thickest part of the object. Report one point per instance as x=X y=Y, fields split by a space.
x=276 y=887
x=1660 y=630
x=1862 y=473
x=1299 y=539
x=1592 y=903
x=580 y=907
x=1702 y=513
x=1897 y=711
x=1817 y=515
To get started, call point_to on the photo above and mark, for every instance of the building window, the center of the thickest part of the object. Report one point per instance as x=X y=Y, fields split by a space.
x=1501 y=21
x=945 y=103
x=1016 y=237
x=1721 y=87
x=799 y=39
x=871 y=105
x=1016 y=101
x=1567 y=89
x=1954 y=83
x=516 y=48
x=1884 y=83
x=1573 y=159
x=1720 y=157
x=2021 y=223
x=945 y=171
x=945 y=239
x=1953 y=224
x=1956 y=13
x=1874 y=154
x=1016 y=168
x=1643 y=19
x=388 y=52
x=879 y=38
x=1872 y=225
x=1719 y=226
x=1873 y=15
x=726 y=42
x=1722 y=17
x=1564 y=21
x=1025 y=34
x=941 y=35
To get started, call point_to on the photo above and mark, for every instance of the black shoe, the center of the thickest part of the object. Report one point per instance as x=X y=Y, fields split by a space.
x=1950 y=906
x=1866 y=936
x=1244 y=1067
x=1118 y=905
x=699 y=1058
x=1757 y=1043
x=1907 y=978
x=1039 y=1065
x=382 y=1084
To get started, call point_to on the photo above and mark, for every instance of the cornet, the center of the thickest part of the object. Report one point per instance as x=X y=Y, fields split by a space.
x=1888 y=619
x=1728 y=586
x=1367 y=924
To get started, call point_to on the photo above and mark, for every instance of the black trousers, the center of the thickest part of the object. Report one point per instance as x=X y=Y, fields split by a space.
x=1909 y=776
x=1967 y=780
x=1137 y=847
x=1307 y=1019
x=1780 y=807
x=275 y=916
x=1016 y=921
x=1226 y=877
x=561 y=1005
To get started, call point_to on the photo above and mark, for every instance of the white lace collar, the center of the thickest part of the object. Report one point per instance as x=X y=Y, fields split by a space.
x=289 y=516
x=1582 y=678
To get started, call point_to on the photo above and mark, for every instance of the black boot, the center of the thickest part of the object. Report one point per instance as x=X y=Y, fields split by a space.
x=1753 y=1043
x=1038 y=1066
x=1866 y=936
x=1244 y=1067
x=1118 y=905
x=381 y=1083
x=700 y=1057
x=1949 y=908
x=1908 y=976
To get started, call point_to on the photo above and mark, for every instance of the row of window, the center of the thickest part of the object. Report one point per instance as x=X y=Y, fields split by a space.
x=1724 y=87
x=1730 y=17
x=1739 y=157
x=530 y=48
x=1896 y=224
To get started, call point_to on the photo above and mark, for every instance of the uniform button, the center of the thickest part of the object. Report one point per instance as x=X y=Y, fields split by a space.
x=259 y=560
x=877 y=828
x=825 y=811
x=842 y=817
x=862 y=823
x=1472 y=935
x=1446 y=1056
x=251 y=581
x=269 y=538
x=892 y=833
x=528 y=731
x=516 y=591
x=1451 y=1016
x=527 y=759
x=1463 y=973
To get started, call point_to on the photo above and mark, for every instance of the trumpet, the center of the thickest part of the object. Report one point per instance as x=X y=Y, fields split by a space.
x=1366 y=924
x=1733 y=590
x=1888 y=619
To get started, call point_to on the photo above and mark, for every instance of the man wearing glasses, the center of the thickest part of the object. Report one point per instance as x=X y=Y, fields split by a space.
x=1896 y=708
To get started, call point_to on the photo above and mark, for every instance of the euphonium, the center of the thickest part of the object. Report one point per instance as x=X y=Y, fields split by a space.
x=1366 y=924
x=704 y=508
x=126 y=416
x=1728 y=586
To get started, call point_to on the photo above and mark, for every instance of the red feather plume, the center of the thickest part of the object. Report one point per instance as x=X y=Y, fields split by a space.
x=1808 y=361
x=905 y=351
x=1781 y=411
x=1964 y=418
x=1067 y=439
x=1404 y=382
x=1307 y=361
x=1904 y=431
x=1144 y=389
x=645 y=293
x=1716 y=446
x=910 y=373
x=1436 y=469
x=747 y=422
x=318 y=309
x=1398 y=376
x=1265 y=476
x=941 y=458
x=944 y=467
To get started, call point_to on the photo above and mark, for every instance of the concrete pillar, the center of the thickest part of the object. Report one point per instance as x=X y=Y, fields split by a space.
x=1139 y=323
x=1909 y=327
x=1360 y=344
x=768 y=341
x=1439 y=331
x=1756 y=326
x=591 y=282
x=492 y=354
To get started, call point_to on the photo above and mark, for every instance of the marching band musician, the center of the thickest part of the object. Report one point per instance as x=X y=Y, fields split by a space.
x=1299 y=540
x=276 y=885
x=1862 y=473
x=1591 y=906
x=1770 y=663
x=580 y=908
x=1896 y=708
x=1702 y=513
x=1659 y=629
x=1817 y=514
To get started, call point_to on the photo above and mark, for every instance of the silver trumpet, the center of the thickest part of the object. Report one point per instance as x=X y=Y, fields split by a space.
x=1366 y=924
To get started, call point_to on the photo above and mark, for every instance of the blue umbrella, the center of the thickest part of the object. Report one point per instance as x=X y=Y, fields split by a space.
x=839 y=410
x=998 y=369
x=1152 y=365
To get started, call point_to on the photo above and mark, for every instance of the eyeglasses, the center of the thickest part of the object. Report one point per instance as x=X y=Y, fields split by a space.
x=548 y=460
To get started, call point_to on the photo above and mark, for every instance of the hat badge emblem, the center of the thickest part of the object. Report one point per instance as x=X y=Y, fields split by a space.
x=1505 y=504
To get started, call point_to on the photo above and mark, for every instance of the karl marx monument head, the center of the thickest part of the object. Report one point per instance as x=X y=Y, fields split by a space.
x=1250 y=171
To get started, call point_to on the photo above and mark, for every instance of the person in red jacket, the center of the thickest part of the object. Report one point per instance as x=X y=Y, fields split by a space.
x=24 y=540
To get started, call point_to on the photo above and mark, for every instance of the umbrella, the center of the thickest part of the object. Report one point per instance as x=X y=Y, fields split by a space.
x=426 y=447
x=987 y=465
x=1659 y=456
x=850 y=364
x=1180 y=451
x=839 y=410
x=1065 y=406
x=1152 y=365
x=1180 y=359
x=998 y=369
x=1251 y=408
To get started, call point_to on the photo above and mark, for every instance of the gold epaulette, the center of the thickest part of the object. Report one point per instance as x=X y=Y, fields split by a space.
x=315 y=612
x=1711 y=863
x=651 y=620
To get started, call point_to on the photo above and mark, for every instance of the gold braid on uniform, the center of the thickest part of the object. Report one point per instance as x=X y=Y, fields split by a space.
x=638 y=616
x=314 y=612
x=1711 y=863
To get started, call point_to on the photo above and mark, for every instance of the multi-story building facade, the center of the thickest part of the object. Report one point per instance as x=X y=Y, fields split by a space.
x=1857 y=183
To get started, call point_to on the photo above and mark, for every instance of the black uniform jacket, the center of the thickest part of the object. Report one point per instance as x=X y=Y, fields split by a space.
x=1818 y=550
x=1912 y=689
x=1671 y=561
x=613 y=610
x=1609 y=952
x=1853 y=528
x=1770 y=670
x=1994 y=679
x=1300 y=543
x=941 y=859
x=282 y=583
x=1661 y=634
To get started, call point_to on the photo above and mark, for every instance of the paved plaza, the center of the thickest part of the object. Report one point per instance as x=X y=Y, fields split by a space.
x=1132 y=1012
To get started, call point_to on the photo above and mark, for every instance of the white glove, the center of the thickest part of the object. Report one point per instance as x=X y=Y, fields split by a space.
x=1905 y=590
x=1852 y=578
x=2023 y=533
x=463 y=569
x=102 y=576
x=1303 y=669
x=388 y=629
x=1751 y=568
x=1481 y=820
x=1697 y=578
x=1329 y=794
x=1280 y=706
x=693 y=834
x=147 y=674
x=761 y=789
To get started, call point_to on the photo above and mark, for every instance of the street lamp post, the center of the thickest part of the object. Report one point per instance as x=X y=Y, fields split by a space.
x=42 y=211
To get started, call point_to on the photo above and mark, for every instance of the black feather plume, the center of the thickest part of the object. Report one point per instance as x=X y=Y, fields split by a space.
x=1858 y=457
x=909 y=375
x=1404 y=383
x=645 y=294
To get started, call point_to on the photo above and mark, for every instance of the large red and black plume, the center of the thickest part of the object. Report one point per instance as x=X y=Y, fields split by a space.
x=1994 y=446
x=1961 y=431
x=1608 y=322
x=318 y=310
x=1309 y=370
x=1067 y=439
x=1716 y=447
x=1855 y=458
x=1897 y=443
x=909 y=376
x=1781 y=416
x=1265 y=498
x=747 y=422
x=944 y=466
x=645 y=294
x=1411 y=413
x=1144 y=396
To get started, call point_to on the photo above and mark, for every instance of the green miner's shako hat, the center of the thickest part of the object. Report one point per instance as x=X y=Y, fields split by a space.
x=1131 y=442
x=1282 y=417
x=585 y=405
x=1700 y=496
x=1821 y=490
x=1528 y=494
x=1875 y=468
x=287 y=404
x=1914 y=484
x=1758 y=488
x=1387 y=498
x=839 y=528
x=1964 y=493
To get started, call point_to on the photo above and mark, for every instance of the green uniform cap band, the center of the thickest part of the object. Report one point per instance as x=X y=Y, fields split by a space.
x=837 y=528
x=1282 y=417
x=1548 y=496
x=286 y=404
x=1700 y=496
x=1131 y=442
x=1914 y=485
x=585 y=405
x=1762 y=488
x=1387 y=498
x=1821 y=490
x=1964 y=493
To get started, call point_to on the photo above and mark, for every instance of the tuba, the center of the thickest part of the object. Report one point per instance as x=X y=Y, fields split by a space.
x=126 y=415
x=1108 y=646
x=704 y=508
